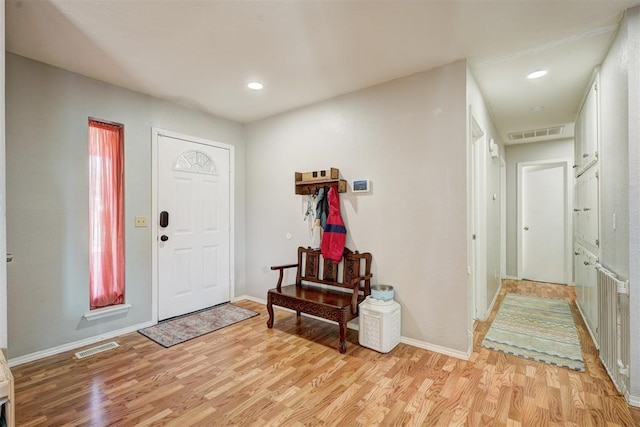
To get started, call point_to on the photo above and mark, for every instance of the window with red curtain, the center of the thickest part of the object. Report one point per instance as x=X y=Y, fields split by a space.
x=106 y=207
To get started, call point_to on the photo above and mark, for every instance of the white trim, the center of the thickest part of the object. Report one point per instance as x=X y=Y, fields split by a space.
x=495 y=298
x=249 y=298
x=354 y=324
x=476 y=220
x=101 y=313
x=154 y=224
x=584 y=320
x=471 y=254
x=503 y=217
x=634 y=401
x=436 y=348
x=566 y=163
x=511 y=277
x=76 y=344
x=155 y=133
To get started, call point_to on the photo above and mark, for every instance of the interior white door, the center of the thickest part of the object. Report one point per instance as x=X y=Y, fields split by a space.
x=543 y=192
x=194 y=226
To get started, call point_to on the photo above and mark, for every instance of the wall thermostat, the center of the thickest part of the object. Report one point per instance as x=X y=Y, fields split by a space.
x=360 y=186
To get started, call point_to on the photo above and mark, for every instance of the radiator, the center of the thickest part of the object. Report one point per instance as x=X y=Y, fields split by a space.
x=613 y=329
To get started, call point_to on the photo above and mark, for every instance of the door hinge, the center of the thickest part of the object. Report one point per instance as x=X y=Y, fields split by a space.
x=597 y=172
x=598 y=242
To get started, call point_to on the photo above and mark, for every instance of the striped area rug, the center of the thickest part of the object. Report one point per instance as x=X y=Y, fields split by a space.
x=536 y=328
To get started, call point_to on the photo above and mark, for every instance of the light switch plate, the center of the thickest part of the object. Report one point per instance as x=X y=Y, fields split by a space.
x=141 y=221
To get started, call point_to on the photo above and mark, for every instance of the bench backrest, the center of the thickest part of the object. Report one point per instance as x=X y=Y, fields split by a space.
x=313 y=267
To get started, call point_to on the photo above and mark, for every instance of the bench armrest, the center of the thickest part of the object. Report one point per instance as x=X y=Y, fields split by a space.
x=282 y=268
x=356 y=288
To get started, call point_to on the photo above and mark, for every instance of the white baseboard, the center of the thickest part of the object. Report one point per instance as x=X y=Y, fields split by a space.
x=250 y=298
x=354 y=324
x=511 y=278
x=495 y=298
x=634 y=401
x=436 y=348
x=486 y=314
x=584 y=320
x=76 y=344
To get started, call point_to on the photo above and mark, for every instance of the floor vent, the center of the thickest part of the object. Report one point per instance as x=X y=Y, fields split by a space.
x=537 y=133
x=94 y=350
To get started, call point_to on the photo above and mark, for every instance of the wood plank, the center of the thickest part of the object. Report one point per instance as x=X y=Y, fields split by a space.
x=246 y=374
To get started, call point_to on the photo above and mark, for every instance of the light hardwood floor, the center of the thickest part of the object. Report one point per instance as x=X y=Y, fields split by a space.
x=292 y=374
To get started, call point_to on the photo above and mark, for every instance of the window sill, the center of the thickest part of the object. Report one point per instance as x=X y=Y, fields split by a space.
x=101 y=313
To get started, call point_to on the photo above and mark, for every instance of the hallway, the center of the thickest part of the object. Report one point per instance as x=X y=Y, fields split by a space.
x=563 y=390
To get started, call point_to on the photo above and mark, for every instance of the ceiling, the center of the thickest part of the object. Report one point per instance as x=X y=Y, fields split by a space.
x=202 y=53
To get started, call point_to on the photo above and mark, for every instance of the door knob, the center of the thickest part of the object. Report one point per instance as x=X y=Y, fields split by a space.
x=164 y=238
x=526 y=228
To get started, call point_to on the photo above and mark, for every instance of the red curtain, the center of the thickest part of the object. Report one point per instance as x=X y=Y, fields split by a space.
x=106 y=207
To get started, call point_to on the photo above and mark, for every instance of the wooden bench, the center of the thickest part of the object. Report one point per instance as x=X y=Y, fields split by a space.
x=318 y=291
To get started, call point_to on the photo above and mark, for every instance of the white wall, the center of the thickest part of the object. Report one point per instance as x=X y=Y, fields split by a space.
x=558 y=149
x=490 y=171
x=614 y=156
x=634 y=197
x=620 y=179
x=408 y=137
x=3 y=212
x=47 y=198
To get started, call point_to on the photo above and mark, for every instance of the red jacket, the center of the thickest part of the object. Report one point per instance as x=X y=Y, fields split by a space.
x=335 y=233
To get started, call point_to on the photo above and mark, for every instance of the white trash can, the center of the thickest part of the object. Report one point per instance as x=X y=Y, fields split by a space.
x=379 y=324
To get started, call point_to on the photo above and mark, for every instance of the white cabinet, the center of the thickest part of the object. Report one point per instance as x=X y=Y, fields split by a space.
x=586 y=210
x=587 y=207
x=586 y=280
x=587 y=133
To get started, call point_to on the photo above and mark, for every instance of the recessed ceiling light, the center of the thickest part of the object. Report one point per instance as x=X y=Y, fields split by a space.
x=537 y=108
x=537 y=74
x=255 y=85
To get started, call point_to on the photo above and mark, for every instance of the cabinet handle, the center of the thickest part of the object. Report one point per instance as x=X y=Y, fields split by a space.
x=586 y=209
x=586 y=262
x=585 y=155
x=576 y=253
x=576 y=209
x=574 y=166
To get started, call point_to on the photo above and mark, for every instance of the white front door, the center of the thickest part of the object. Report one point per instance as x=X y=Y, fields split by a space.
x=193 y=211
x=543 y=222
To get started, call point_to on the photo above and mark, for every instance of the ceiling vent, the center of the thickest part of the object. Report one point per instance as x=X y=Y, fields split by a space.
x=537 y=133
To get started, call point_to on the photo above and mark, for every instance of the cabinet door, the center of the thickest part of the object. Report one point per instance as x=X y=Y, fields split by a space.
x=578 y=144
x=587 y=210
x=587 y=131
x=578 y=268
x=591 y=292
x=586 y=281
